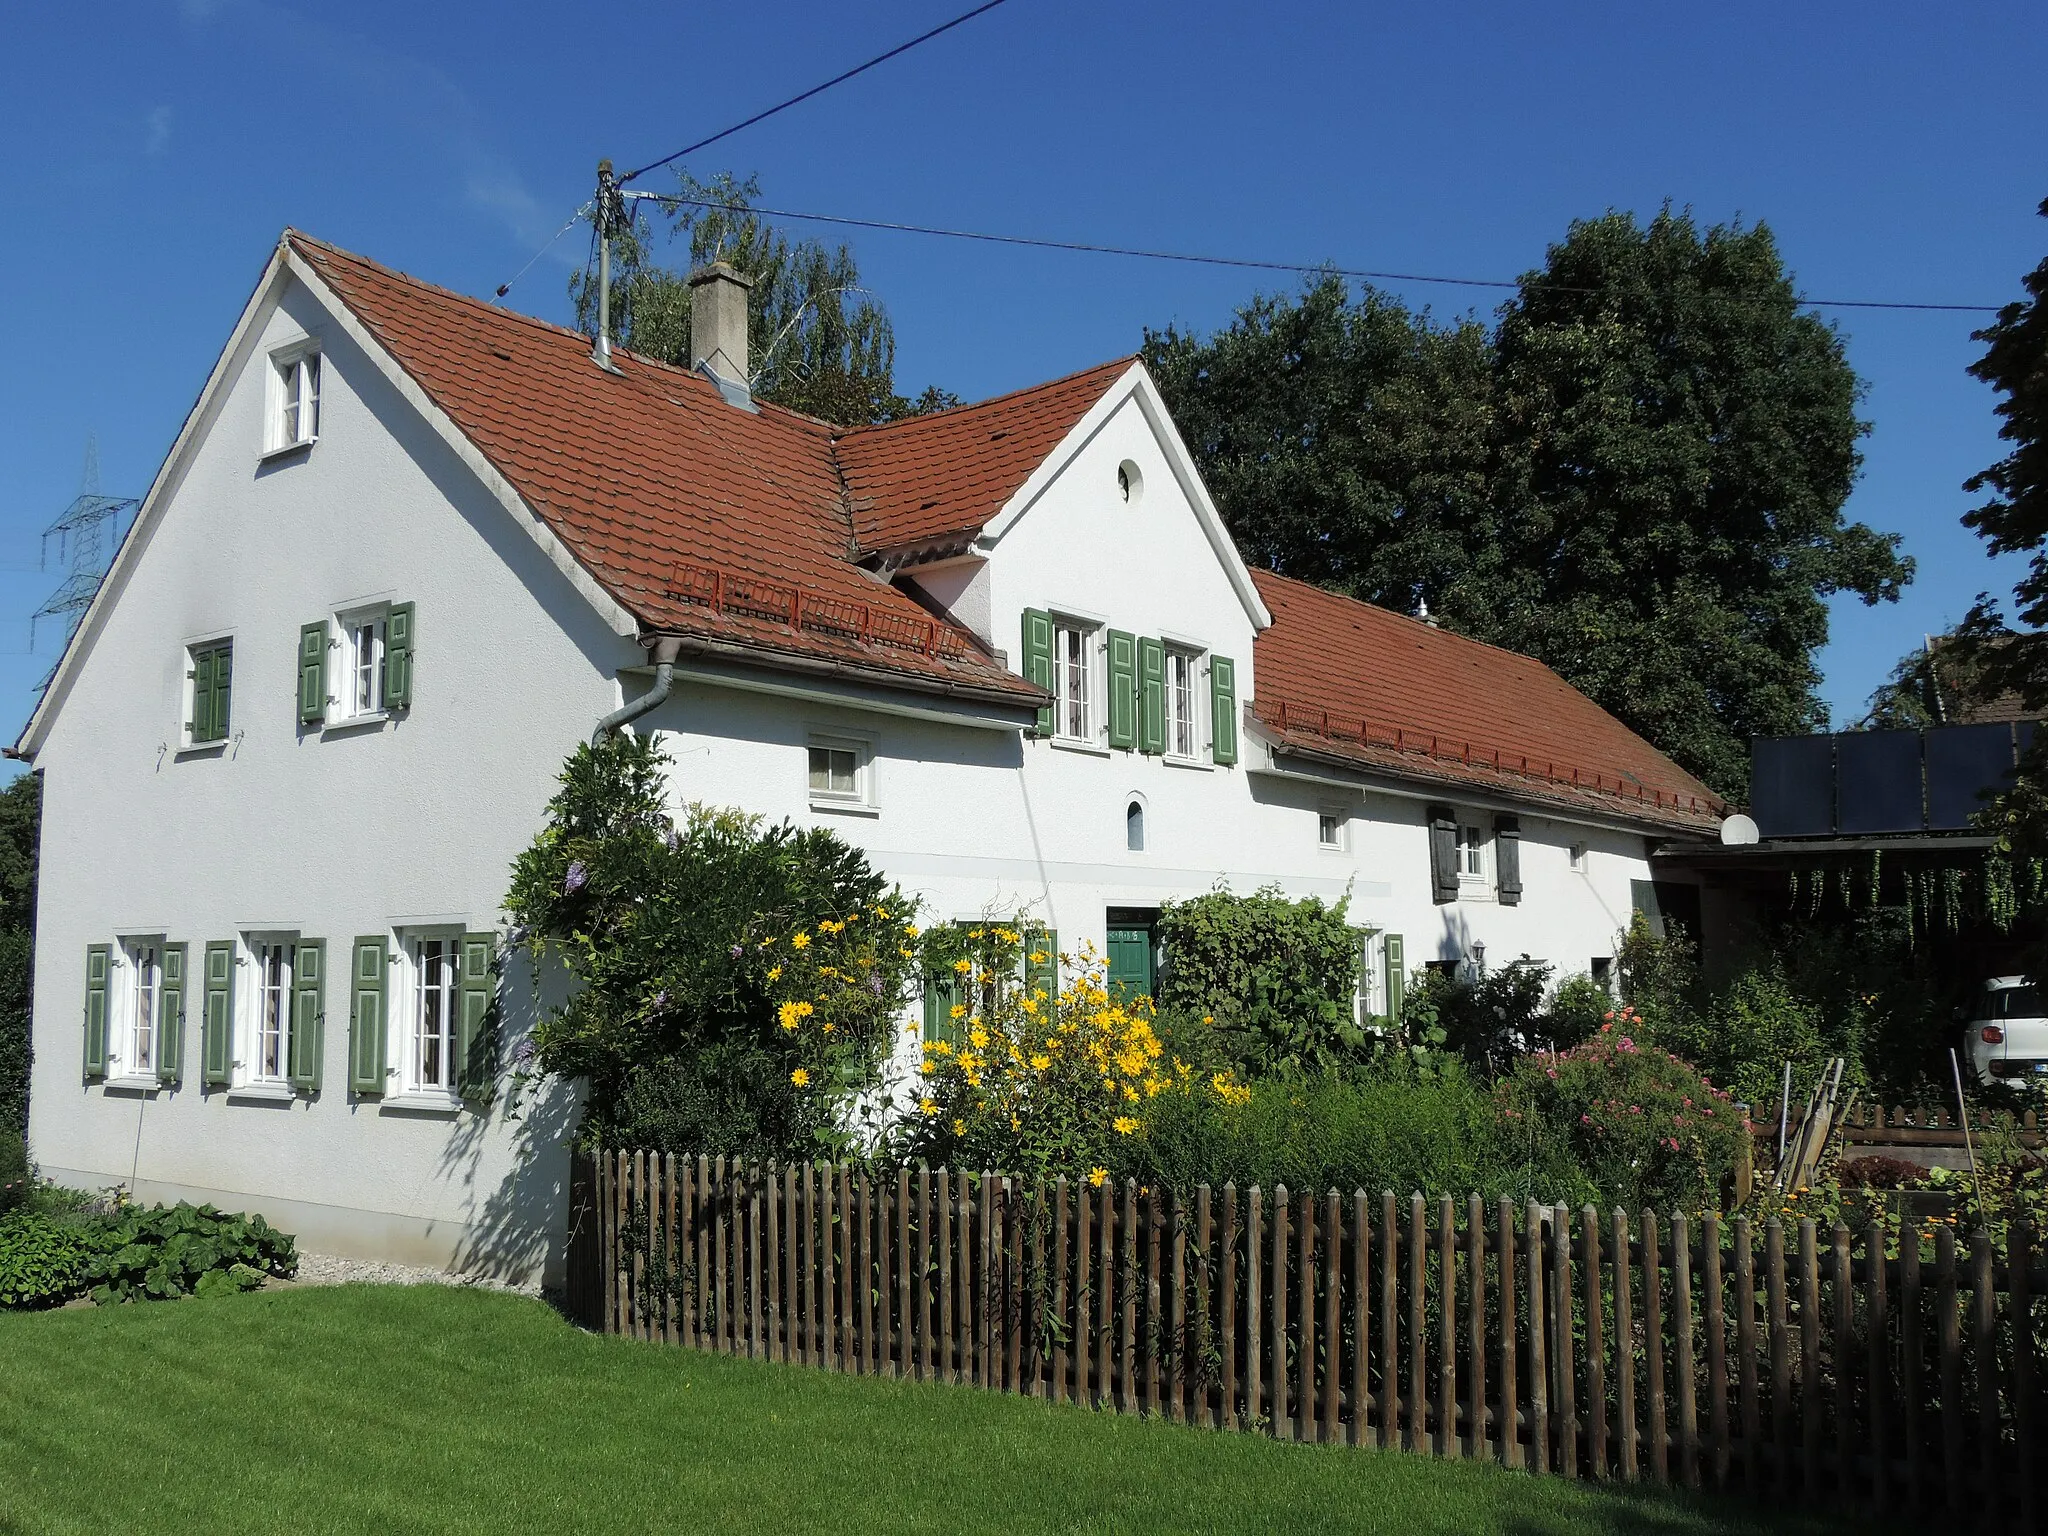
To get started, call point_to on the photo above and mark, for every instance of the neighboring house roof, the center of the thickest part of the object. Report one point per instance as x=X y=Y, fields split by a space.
x=1337 y=678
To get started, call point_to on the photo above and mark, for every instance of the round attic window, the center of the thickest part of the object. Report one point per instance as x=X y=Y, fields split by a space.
x=1130 y=483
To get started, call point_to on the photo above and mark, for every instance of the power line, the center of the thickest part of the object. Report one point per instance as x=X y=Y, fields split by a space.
x=506 y=286
x=840 y=79
x=668 y=199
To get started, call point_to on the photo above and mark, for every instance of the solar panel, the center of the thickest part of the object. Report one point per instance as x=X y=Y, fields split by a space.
x=1877 y=782
x=1792 y=785
x=1963 y=762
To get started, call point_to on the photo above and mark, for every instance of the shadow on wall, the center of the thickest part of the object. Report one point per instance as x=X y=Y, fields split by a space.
x=516 y=1227
x=1454 y=945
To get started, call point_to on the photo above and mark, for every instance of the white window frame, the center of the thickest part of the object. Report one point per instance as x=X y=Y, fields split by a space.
x=1077 y=683
x=861 y=800
x=294 y=384
x=1475 y=846
x=259 y=948
x=417 y=990
x=1144 y=810
x=1371 y=999
x=186 y=699
x=1334 y=819
x=1185 y=719
x=137 y=983
x=344 y=702
x=1580 y=857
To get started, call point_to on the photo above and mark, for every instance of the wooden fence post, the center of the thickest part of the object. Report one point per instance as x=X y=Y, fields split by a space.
x=1276 y=1342
x=1714 y=1317
x=1084 y=1298
x=1127 y=1321
x=1305 y=1305
x=1994 y=1459
x=1911 y=1314
x=1842 y=1362
x=1255 y=1317
x=1685 y=1357
x=1510 y=1430
x=1878 y=1364
x=1781 y=1357
x=1624 y=1346
x=1561 y=1343
x=1596 y=1347
x=1949 y=1328
x=1333 y=1330
x=1418 y=1327
x=1226 y=1307
x=1745 y=1356
x=1809 y=1359
x=1361 y=1318
x=1539 y=1372
x=1475 y=1325
x=1058 y=1388
x=1390 y=1336
x=1105 y=1265
x=1447 y=1441
x=2025 y=1408
x=1653 y=1339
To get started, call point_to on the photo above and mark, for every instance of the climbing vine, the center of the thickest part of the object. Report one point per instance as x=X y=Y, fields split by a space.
x=1944 y=898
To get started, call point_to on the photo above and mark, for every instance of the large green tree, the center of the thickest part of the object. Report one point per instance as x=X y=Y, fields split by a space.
x=817 y=341
x=20 y=828
x=1638 y=476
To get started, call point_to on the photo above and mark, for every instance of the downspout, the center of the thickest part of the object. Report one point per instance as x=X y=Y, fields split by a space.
x=663 y=652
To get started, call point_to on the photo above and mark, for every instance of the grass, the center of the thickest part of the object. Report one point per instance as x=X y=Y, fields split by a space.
x=432 y=1409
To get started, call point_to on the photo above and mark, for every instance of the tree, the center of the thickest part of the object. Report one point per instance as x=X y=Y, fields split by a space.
x=1637 y=477
x=20 y=824
x=817 y=341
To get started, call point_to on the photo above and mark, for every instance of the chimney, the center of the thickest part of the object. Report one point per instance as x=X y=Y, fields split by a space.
x=718 y=330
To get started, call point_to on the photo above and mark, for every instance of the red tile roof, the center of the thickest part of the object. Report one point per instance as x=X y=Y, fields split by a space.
x=1341 y=678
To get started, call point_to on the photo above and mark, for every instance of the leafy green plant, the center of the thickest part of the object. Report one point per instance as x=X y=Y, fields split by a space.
x=162 y=1252
x=1488 y=1022
x=16 y=1177
x=1272 y=980
x=44 y=1260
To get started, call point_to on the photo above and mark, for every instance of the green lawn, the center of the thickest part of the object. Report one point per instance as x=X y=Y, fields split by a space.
x=432 y=1409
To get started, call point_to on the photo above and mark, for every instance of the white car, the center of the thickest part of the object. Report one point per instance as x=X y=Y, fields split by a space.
x=2008 y=1033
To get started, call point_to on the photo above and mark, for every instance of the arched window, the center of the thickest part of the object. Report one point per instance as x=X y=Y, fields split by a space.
x=1134 y=826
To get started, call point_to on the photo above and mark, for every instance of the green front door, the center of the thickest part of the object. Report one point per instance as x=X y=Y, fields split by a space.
x=1130 y=961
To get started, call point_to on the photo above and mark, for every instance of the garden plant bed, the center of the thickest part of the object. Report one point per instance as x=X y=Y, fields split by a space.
x=432 y=1407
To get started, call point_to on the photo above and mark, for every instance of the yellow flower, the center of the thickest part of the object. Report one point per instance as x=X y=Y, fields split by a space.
x=904 y=953
x=959 y=1010
x=978 y=1038
x=912 y=929
x=910 y=1027
x=800 y=1077
x=881 y=912
x=959 y=1127
x=793 y=1013
x=1123 y=1125
x=1096 y=1176
x=963 y=966
x=1208 y=1018
x=929 y=1106
x=800 y=941
x=1040 y=1062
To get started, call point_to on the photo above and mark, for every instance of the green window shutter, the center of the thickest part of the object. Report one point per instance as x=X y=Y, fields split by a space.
x=1123 y=689
x=309 y=1013
x=1507 y=860
x=399 y=633
x=1223 y=709
x=170 y=1017
x=1151 y=697
x=368 y=991
x=99 y=961
x=313 y=673
x=200 y=726
x=476 y=1045
x=1037 y=659
x=223 y=691
x=940 y=994
x=217 y=1021
x=1042 y=972
x=1397 y=975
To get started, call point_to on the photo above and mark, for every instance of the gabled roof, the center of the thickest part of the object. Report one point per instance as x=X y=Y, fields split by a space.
x=1337 y=678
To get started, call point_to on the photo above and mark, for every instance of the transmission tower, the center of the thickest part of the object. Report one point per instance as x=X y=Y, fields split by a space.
x=86 y=536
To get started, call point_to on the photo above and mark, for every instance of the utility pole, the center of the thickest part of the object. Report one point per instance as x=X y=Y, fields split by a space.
x=609 y=213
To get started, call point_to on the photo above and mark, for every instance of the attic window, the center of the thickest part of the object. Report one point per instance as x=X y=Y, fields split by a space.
x=293 y=398
x=1130 y=483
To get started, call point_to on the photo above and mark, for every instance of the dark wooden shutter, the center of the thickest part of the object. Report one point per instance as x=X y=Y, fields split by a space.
x=1151 y=696
x=1443 y=854
x=1123 y=689
x=313 y=673
x=400 y=633
x=367 y=990
x=99 y=963
x=217 y=1020
x=1507 y=859
x=309 y=1014
x=1223 y=709
x=476 y=1044
x=1396 y=951
x=1037 y=661
x=170 y=1017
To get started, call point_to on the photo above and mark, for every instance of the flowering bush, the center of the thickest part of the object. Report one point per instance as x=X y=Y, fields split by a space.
x=1646 y=1127
x=1029 y=1082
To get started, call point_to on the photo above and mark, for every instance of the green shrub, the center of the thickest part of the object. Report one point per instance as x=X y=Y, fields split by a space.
x=181 y=1250
x=1644 y=1126
x=44 y=1260
x=1580 y=1006
x=1391 y=1126
x=1488 y=1022
x=16 y=1177
x=1272 y=980
x=1744 y=1037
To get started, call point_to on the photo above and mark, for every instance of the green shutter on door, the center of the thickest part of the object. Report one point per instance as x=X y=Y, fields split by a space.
x=1123 y=689
x=1037 y=661
x=170 y=1017
x=309 y=1014
x=1043 y=972
x=368 y=990
x=1397 y=976
x=1151 y=696
x=399 y=634
x=217 y=1021
x=476 y=1045
x=1223 y=709
x=313 y=673
x=99 y=960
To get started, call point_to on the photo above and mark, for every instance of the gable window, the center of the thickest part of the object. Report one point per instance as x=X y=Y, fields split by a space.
x=437 y=995
x=209 y=689
x=841 y=773
x=1578 y=858
x=1183 y=733
x=1330 y=830
x=271 y=1023
x=1073 y=661
x=294 y=400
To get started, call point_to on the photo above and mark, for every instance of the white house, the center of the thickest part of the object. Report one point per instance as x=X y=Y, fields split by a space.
x=410 y=548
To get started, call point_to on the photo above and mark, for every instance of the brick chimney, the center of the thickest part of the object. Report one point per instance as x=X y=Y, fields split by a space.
x=718 y=329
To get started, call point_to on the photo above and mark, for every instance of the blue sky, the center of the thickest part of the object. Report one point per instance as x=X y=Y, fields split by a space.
x=154 y=151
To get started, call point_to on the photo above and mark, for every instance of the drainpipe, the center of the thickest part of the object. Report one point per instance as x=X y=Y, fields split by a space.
x=663 y=653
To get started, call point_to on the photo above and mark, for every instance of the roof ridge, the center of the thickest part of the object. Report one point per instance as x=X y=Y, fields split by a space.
x=955 y=411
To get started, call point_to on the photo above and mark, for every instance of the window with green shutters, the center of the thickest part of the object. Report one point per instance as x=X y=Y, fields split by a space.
x=170 y=1016
x=1123 y=689
x=368 y=1014
x=217 y=1015
x=99 y=969
x=1223 y=709
x=307 y=1042
x=210 y=688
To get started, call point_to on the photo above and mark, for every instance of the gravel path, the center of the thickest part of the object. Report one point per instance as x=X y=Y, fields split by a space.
x=331 y=1269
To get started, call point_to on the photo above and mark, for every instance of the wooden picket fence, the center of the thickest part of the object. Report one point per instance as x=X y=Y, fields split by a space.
x=1792 y=1363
